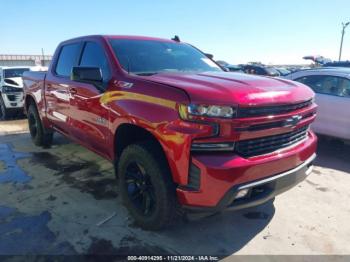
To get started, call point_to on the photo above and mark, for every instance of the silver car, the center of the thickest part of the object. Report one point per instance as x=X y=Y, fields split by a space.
x=332 y=88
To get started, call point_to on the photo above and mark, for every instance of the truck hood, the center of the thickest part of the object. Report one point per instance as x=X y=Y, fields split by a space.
x=235 y=88
x=14 y=81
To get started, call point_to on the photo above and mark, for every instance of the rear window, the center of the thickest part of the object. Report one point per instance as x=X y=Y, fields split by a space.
x=67 y=59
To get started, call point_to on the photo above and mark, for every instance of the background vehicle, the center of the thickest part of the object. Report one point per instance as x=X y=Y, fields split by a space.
x=318 y=60
x=257 y=69
x=283 y=71
x=338 y=64
x=230 y=67
x=11 y=90
x=184 y=135
x=332 y=88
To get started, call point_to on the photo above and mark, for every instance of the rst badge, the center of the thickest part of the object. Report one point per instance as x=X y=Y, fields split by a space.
x=101 y=120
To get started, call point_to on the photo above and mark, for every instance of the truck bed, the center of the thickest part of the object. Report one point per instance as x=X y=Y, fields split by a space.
x=34 y=83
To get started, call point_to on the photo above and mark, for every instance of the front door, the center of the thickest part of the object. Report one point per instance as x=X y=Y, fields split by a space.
x=90 y=119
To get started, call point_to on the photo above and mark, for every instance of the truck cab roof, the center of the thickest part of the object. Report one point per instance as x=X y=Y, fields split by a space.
x=129 y=37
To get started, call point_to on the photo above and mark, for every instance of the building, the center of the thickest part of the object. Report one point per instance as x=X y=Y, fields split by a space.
x=25 y=60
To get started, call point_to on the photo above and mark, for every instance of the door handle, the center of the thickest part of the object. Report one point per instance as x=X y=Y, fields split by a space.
x=73 y=90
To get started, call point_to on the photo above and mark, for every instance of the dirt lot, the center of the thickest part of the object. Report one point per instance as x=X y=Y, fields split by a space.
x=53 y=199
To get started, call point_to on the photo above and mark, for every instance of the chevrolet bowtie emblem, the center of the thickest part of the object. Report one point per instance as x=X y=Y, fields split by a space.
x=293 y=121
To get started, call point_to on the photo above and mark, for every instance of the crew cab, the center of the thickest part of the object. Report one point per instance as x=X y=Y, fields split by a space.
x=184 y=135
x=11 y=90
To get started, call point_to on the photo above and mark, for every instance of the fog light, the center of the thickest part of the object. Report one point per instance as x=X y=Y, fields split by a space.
x=242 y=193
x=213 y=146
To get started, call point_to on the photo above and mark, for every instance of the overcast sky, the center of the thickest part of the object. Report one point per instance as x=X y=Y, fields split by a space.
x=237 y=31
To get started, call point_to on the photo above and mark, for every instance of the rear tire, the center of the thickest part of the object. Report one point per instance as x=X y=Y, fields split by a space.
x=40 y=135
x=4 y=112
x=146 y=186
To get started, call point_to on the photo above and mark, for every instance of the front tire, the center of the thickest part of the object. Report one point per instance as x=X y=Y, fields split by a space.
x=146 y=186
x=4 y=112
x=39 y=134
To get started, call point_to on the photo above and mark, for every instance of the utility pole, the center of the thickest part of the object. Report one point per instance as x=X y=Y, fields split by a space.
x=43 y=60
x=342 y=38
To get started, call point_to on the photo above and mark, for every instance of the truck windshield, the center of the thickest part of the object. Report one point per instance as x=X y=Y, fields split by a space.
x=148 y=57
x=14 y=72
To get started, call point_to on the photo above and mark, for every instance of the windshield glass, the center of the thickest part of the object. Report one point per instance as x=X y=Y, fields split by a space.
x=14 y=72
x=147 y=57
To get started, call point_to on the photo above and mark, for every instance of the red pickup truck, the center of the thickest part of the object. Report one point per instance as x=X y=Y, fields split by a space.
x=183 y=134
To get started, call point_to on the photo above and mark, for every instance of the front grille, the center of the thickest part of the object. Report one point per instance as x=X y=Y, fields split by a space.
x=268 y=144
x=271 y=110
x=13 y=97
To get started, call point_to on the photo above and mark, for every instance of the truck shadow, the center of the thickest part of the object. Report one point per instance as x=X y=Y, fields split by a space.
x=333 y=153
x=220 y=235
x=223 y=234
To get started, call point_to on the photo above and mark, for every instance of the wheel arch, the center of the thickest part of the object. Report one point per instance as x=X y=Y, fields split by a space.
x=127 y=134
x=28 y=101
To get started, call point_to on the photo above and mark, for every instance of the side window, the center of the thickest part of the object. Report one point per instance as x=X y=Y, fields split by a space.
x=322 y=84
x=330 y=85
x=343 y=87
x=67 y=59
x=93 y=55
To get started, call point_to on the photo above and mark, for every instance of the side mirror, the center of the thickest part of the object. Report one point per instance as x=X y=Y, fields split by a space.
x=91 y=75
x=210 y=56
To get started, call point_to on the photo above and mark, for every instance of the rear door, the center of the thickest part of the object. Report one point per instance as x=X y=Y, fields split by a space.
x=333 y=99
x=57 y=86
x=90 y=119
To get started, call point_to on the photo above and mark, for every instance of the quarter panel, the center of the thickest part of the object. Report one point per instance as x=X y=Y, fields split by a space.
x=333 y=116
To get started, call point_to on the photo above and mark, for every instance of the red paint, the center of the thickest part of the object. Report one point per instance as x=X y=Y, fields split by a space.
x=83 y=113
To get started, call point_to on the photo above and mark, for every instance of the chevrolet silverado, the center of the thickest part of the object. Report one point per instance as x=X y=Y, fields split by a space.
x=184 y=135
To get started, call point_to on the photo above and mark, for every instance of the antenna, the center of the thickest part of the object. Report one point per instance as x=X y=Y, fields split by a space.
x=176 y=38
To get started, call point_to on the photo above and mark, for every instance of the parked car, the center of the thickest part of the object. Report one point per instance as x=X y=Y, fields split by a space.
x=282 y=71
x=318 y=60
x=11 y=91
x=338 y=64
x=230 y=67
x=184 y=135
x=259 y=70
x=332 y=88
x=234 y=68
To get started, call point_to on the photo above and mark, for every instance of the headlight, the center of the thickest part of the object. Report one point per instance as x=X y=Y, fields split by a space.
x=7 y=89
x=207 y=111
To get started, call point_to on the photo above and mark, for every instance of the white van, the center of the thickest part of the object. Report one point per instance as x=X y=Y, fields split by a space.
x=11 y=90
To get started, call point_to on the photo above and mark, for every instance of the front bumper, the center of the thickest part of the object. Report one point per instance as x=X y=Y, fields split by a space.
x=13 y=100
x=263 y=190
x=222 y=176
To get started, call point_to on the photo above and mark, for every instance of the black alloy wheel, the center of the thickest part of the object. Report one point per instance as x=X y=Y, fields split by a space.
x=140 y=189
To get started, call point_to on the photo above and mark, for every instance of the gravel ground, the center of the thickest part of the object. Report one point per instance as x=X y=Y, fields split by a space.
x=53 y=199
